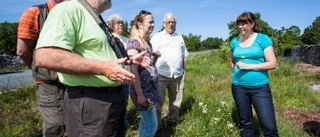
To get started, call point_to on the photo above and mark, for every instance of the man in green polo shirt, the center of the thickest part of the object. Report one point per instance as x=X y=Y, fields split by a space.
x=73 y=44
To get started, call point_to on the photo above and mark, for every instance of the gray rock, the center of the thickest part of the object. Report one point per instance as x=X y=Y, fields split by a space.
x=309 y=54
x=10 y=61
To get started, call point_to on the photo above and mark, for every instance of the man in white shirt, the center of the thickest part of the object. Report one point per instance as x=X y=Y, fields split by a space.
x=171 y=66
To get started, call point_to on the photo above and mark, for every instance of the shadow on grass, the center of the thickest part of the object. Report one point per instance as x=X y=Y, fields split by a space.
x=133 y=118
x=236 y=119
x=312 y=128
x=168 y=129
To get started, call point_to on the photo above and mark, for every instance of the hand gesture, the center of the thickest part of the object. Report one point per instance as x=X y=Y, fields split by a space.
x=139 y=59
x=115 y=72
x=243 y=65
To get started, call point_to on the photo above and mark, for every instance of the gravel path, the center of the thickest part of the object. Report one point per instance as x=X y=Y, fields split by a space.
x=13 y=80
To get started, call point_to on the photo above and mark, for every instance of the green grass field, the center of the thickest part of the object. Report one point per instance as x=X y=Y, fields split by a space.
x=208 y=109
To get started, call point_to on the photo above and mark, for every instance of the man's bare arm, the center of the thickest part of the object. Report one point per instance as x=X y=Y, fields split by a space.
x=64 y=61
x=25 y=50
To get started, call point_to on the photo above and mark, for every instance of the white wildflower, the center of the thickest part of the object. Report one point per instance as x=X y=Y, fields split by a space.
x=200 y=104
x=223 y=103
x=216 y=120
x=218 y=110
x=230 y=125
x=204 y=109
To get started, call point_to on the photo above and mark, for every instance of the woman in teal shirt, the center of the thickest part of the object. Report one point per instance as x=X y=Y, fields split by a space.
x=252 y=55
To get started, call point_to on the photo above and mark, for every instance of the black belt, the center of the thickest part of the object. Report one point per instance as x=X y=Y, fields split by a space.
x=84 y=89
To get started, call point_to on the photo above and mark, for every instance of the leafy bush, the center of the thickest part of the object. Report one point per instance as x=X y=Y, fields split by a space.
x=224 y=52
x=8 y=38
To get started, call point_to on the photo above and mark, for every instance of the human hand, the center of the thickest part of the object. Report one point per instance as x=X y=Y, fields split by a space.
x=140 y=59
x=114 y=72
x=141 y=100
x=149 y=105
x=156 y=53
x=155 y=56
x=243 y=65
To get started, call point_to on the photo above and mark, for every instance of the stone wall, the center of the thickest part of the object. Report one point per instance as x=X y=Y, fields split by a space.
x=309 y=54
x=10 y=61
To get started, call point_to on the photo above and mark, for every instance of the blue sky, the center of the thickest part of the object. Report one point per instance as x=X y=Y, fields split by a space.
x=207 y=18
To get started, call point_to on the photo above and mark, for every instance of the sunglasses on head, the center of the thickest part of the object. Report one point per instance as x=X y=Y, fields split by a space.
x=144 y=12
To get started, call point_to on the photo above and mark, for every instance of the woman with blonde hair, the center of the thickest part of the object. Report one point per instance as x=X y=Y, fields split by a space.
x=144 y=91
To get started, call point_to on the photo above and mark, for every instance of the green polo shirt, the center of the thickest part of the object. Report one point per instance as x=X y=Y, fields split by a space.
x=70 y=26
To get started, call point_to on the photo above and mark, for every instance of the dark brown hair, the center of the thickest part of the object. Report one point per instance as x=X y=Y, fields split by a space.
x=248 y=17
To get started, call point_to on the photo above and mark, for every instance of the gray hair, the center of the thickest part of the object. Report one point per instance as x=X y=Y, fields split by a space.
x=112 y=19
x=169 y=15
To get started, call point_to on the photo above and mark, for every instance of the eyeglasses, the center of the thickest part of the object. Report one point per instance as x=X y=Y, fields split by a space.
x=173 y=22
x=119 y=22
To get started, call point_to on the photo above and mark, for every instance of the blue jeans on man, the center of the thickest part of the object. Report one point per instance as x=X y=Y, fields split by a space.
x=261 y=99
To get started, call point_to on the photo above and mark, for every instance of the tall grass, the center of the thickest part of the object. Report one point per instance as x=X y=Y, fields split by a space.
x=207 y=110
x=19 y=115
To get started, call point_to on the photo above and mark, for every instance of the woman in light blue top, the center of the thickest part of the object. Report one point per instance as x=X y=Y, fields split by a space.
x=252 y=55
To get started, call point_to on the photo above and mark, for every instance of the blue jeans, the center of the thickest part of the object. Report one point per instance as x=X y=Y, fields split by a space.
x=149 y=123
x=261 y=99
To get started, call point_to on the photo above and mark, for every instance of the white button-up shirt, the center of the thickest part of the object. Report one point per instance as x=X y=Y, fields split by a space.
x=173 y=52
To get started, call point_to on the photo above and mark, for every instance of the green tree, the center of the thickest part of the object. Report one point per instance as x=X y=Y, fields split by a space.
x=8 y=38
x=126 y=30
x=311 y=34
x=212 y=43
x=193 y=42
x=287 y=39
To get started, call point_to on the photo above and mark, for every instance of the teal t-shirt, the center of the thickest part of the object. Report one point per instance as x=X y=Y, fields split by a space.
x=70 y=26
x=251 y=55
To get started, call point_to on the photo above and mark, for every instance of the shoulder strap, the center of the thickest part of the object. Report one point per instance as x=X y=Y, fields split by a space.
x=114 y=42
x=44 y=11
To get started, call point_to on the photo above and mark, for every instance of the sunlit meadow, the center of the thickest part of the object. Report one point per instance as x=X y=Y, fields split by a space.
x=207 y=110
